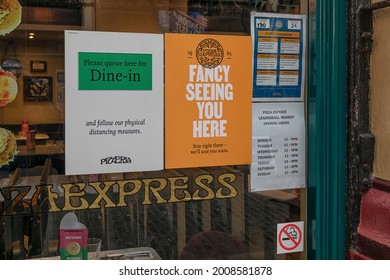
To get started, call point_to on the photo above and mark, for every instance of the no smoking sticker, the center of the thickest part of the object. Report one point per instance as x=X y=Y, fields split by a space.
x=290 y=238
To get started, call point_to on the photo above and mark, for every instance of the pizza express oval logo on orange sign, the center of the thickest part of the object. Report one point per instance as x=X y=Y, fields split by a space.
x=209 y=53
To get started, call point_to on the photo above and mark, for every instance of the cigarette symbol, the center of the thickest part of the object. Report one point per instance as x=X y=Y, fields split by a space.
x=292 y=233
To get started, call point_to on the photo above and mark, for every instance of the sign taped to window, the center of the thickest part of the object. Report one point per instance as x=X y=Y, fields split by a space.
x=114 y=102
x=279 y=49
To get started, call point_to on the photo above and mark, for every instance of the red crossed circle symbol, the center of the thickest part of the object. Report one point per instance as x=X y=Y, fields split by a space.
x=295 y=240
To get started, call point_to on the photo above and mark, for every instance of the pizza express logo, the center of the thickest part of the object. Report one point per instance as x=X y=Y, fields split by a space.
x=209 y=53
x=115 y=160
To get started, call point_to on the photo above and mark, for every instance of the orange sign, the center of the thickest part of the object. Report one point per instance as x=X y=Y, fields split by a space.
x=208 y=99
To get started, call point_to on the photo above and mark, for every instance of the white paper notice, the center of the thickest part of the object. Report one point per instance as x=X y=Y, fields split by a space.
x=113 y=102
x=278 y=146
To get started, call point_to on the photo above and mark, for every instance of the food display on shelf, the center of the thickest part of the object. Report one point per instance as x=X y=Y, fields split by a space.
x=8 y=87
x=10 y=15
x=7 y=147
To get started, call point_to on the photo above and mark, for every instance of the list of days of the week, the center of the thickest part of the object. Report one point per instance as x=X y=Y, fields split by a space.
x=278 y=146
x=274 y=159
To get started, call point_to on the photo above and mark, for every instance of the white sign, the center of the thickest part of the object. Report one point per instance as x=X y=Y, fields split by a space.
x=113 y=102
x=278 y=146
x=290 y=238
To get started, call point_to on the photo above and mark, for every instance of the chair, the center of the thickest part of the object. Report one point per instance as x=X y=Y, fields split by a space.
x=13 y=236
x=25 y=234
x=40 y=170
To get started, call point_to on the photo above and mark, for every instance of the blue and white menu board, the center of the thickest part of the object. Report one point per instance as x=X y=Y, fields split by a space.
x=279 y=49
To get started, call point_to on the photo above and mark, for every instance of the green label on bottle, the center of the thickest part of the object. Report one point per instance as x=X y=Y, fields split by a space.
x=66 y=255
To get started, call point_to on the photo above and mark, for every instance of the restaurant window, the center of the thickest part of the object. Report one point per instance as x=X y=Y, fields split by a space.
x=32 y=121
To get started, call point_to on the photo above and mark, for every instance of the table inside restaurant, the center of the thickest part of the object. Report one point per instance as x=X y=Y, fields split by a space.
x=55 y=150
x=38 y=136
x=46 y=149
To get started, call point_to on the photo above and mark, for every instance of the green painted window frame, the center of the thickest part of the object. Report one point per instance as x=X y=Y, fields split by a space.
x=327 y=134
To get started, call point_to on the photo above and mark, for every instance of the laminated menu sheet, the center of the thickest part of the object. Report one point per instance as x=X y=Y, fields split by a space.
x=279 y=50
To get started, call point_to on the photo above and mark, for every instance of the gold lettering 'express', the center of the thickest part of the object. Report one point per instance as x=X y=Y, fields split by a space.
x=117 y=193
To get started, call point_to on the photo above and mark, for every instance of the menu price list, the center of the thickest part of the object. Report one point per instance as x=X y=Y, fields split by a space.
x=279 y=56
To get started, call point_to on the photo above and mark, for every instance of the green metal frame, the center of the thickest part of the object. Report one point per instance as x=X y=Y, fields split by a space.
x=330 y=130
